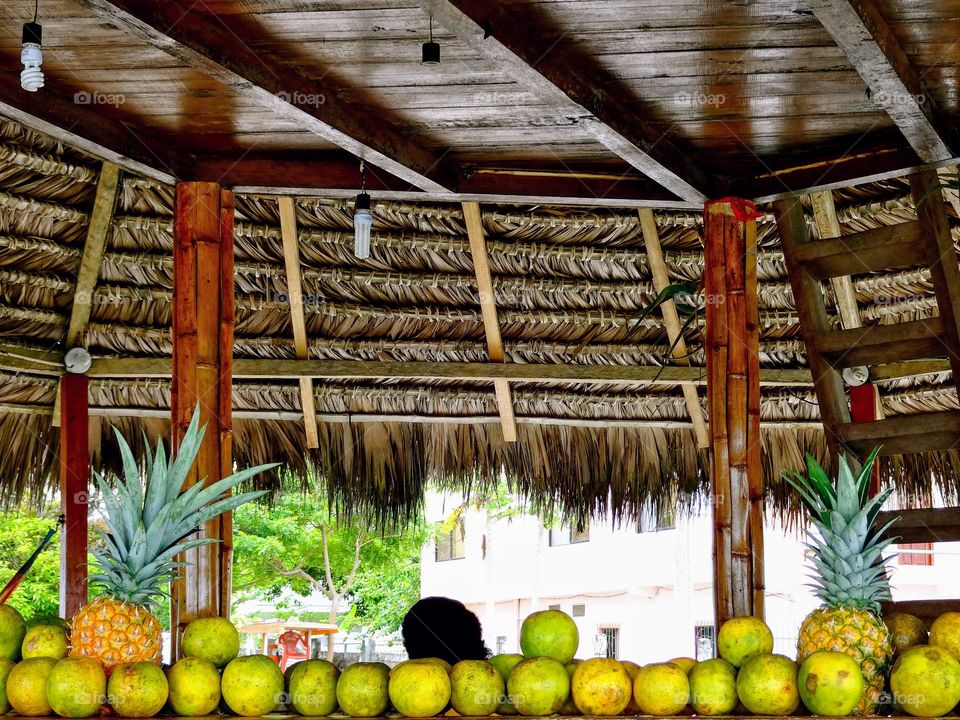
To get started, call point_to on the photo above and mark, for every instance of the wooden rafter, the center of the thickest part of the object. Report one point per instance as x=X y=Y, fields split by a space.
x=180 y=31
x=864 y=36
x=535 y=62
x=95 y=244
x=671 y=319
x=98 y=230
x=488 y=309
x=291 y=258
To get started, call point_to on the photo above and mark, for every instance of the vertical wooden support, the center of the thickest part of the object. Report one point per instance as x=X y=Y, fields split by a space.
x=74 y=492
x=202 y=373
x=733 y=399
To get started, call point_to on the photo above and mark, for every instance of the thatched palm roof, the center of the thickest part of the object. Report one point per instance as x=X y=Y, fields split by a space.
x=568 y=284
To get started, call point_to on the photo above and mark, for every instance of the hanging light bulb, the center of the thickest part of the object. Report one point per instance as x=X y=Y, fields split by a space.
x=362 y=219
x=31 y=55
x=430 y=51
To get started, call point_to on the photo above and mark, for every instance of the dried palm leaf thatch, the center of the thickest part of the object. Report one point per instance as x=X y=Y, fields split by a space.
x=568 y=283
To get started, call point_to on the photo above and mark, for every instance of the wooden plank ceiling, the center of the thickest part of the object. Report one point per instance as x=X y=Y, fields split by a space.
x=617 y=102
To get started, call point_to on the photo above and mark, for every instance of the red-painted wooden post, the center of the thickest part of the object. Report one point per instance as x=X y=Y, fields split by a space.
x=74 y=491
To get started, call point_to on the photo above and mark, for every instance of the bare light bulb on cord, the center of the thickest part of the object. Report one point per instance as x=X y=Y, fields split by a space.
x=31 y=55
x=362 y=219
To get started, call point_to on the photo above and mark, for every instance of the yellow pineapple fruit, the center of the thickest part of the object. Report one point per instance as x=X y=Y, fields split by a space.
x=849 y=573
x=149 y=521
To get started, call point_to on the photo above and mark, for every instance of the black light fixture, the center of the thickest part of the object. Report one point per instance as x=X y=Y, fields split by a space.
x=430 y=51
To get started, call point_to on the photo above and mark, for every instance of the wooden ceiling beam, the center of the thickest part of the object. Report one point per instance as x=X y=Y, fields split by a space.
x=488 y=310
x=671 y=319
x=542 y=67
x=15 y=359
x=182 y=32
x=291 y=258
x=336 y=176
x=87 y=129
x=868 y=42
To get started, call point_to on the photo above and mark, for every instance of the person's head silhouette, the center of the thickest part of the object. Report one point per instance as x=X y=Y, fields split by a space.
x=444 y=628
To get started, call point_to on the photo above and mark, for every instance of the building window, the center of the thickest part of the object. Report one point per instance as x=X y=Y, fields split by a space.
x=569 y=536
x=663 y=519
x=915 y=554
x=579 y=610
x=705 y=642
x=553 y=607
x=612 y=637
x=450 y=545
x=501 y=644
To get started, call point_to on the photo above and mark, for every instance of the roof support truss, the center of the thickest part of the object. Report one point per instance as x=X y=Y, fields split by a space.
x=180 y=31
x=539 y=64
x=866 y=39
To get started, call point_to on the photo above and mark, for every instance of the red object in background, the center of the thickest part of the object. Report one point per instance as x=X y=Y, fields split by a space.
x=863 y=408
x=923 y=557
x=293 y=646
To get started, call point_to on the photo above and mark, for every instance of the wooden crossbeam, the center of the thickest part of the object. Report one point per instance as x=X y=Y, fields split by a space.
x=488 y=310
x=671 y=319
x=179 y=30
x=538 y=65
x=291 y=258
x=864 y=36
x=98 y=230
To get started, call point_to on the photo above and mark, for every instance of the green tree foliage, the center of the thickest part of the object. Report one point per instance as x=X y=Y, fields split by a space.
x=295 y=543
x=38 y=595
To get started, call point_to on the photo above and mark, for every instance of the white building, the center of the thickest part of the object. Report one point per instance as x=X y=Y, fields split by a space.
x=640 y=594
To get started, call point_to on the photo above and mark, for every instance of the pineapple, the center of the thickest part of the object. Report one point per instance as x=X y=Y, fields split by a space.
x=849 y=572
x=147 y=526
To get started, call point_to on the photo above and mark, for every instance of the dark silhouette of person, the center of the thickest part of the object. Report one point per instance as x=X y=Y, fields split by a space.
x=444 y=628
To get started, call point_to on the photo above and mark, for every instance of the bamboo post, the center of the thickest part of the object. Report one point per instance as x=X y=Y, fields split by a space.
x=202 y=373
x=74 y=492
x=733 y=400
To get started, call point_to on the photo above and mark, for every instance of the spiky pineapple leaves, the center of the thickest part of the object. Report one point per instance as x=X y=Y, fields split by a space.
x=846 y=546
x=147 y=524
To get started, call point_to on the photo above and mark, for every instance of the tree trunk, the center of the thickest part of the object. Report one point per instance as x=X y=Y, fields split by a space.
x=332 y=619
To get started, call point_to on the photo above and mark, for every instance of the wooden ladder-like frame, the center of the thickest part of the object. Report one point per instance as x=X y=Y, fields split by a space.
x=924 y=242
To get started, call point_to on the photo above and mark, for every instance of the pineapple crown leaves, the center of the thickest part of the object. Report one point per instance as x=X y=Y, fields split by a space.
x=846 y=546
x=147 y=524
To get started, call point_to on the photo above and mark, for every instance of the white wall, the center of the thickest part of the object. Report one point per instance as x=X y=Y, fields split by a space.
x=654 y=586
